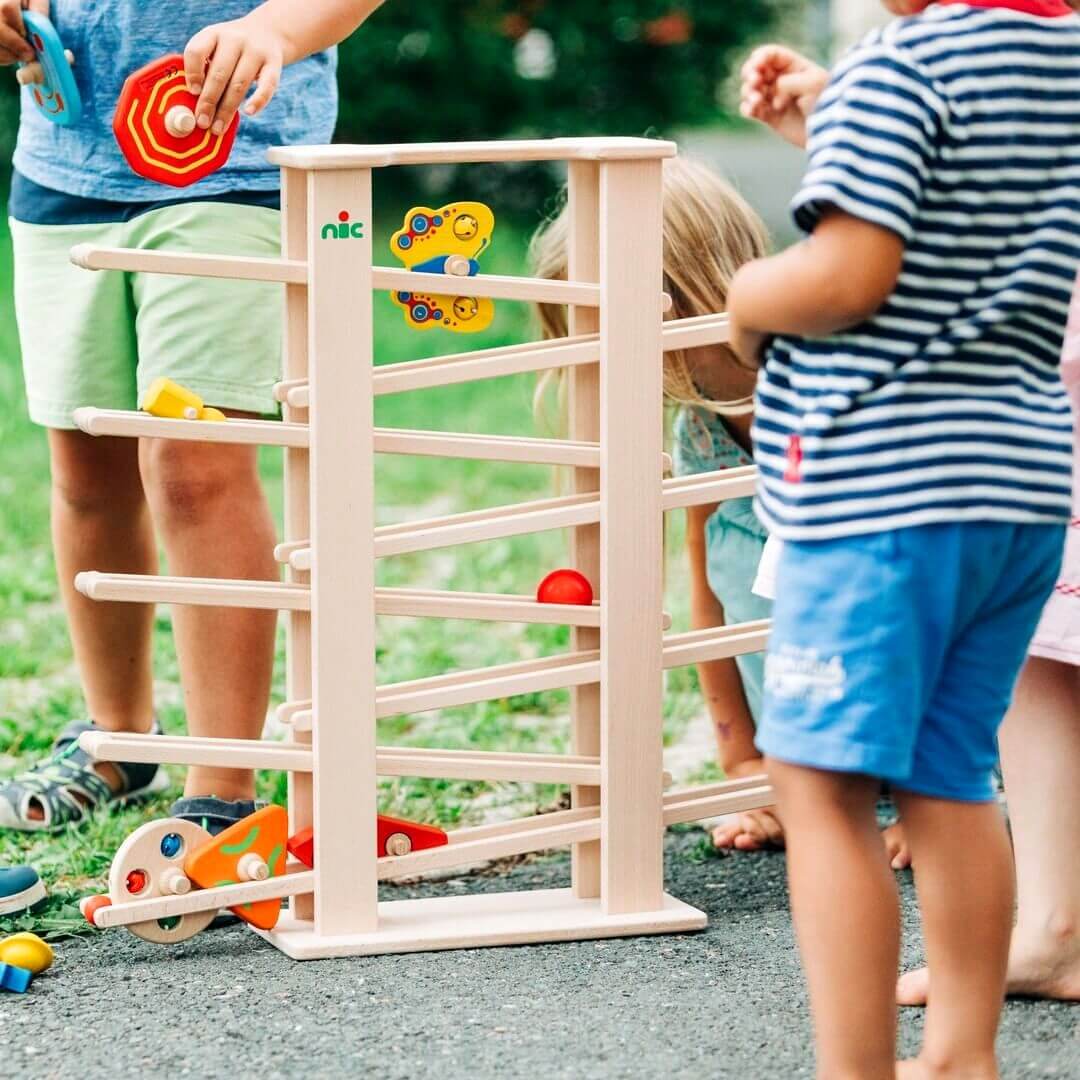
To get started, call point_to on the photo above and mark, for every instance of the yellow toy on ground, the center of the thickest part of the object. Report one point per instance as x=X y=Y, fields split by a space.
x=26 y=951
x=445 y=241
x=169 y=399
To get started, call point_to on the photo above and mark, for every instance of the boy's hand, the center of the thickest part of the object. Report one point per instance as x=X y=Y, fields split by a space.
x=780 y=88
x=14 y=48
x=223 y=61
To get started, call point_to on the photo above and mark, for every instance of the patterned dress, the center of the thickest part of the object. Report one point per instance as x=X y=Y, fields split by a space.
x=1058 y=636
x=734 y=537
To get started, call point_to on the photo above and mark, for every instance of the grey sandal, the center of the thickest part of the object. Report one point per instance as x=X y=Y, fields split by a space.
x=64 y=788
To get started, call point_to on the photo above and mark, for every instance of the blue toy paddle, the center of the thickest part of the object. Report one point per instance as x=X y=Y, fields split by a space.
x=52 y=89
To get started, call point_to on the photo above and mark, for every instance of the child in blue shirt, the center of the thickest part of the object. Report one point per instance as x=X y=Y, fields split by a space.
x=100 y=339
x=914 y=440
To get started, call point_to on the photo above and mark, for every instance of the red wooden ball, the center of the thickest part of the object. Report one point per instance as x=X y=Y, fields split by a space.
x=565 y=587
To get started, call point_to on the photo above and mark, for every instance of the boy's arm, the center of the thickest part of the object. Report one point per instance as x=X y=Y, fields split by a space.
x=223 y=61
x=837 y=278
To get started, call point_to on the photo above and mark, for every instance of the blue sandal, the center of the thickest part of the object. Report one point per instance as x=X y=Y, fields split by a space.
x=65 y=788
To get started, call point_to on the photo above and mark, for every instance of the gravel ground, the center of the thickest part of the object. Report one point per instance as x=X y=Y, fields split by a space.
x=728 y=1002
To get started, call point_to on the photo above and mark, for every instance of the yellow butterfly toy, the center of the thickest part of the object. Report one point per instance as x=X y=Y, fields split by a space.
x=446 y=241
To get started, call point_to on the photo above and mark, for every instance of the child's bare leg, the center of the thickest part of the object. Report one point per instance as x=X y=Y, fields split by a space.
x=964 y=878
x=100 y=521
x=215 y=522
x=835 y=851
x=1040 y=755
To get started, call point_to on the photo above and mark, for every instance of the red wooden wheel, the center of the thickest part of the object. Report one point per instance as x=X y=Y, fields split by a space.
x=154 y=126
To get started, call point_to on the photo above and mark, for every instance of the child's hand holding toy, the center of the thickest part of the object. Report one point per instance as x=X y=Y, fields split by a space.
x=780 y=88
x=225 y=60
x=14 y=48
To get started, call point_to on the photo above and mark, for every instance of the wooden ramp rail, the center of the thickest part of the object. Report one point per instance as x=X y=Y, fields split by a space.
x=233 y=267
x=494 y=363
x=449 y=444
x=546 y=673
x=293 y=882
x=546 y=831
x=294 y=272
x=278 y=596
x=433 y=763
x=521 y=519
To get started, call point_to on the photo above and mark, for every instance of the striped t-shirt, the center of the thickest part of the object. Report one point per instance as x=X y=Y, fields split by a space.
x=959 y=129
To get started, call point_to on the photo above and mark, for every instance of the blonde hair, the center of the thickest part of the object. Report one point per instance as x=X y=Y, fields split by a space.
x=710 y=231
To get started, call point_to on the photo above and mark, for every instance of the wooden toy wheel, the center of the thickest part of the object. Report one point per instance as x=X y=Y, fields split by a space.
x=398 y=844
x=149 y=864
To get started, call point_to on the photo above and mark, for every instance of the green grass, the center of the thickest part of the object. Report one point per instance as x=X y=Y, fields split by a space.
x=39 y=687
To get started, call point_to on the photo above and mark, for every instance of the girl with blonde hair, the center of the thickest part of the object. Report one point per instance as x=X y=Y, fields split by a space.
x=710 y=231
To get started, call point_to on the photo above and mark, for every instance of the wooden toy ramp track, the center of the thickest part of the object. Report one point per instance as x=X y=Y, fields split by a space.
x=621 y=643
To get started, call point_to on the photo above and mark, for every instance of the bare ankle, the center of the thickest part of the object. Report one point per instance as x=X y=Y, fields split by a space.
x=1059 y=929
x=127 y=724
x=226 y=784
x=946 y=1065
x=1063 y=927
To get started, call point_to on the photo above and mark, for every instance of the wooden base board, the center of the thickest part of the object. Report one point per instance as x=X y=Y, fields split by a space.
x=480 y=921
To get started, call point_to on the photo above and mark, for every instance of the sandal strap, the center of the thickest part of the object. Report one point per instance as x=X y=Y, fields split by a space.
x=65 y=784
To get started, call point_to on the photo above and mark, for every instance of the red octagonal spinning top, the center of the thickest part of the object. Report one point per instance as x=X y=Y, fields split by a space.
x=155 y=127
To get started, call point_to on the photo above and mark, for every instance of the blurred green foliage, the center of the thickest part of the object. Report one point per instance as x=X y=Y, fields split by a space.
x=478 y=69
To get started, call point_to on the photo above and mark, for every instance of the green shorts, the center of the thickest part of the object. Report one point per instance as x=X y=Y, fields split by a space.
x=100 y=338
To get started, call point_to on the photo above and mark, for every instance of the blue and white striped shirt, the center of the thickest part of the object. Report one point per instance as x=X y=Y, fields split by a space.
x=958 y=129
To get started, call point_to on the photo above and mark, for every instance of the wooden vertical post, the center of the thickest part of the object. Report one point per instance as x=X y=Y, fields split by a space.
x=583 y=407
x=342 y=536
x=631 y=536
x=294 y=231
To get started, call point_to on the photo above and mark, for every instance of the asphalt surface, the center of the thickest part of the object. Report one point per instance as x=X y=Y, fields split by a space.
x=728 y=1002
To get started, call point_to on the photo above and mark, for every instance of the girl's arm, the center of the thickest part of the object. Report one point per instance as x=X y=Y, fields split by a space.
x=837 y=278
x=720 y=680
x=223 y=61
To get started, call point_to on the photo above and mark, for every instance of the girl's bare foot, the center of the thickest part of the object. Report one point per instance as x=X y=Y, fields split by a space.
x=896 y=846
x=1042 y=966
x=749 y=831
x=758 y=829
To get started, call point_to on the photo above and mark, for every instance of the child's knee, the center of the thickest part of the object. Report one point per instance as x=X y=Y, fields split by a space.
x=94 y=476
x=189 y=482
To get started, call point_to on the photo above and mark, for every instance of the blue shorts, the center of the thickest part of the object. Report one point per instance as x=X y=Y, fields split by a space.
x=895 y=654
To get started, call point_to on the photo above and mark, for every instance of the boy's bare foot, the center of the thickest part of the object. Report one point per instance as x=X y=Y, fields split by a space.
x=1048 y=968
x=896 y=846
